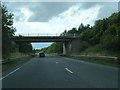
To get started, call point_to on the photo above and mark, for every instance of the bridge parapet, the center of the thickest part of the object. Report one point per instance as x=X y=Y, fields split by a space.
x=42 y=39
x=48 y=35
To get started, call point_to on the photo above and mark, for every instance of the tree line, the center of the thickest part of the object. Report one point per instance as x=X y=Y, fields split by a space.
x=8 y=31
x=103 y=37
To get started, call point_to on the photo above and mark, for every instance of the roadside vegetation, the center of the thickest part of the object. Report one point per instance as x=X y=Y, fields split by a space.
x=15 y=63
x=54 y=48
x=11 y=49
x=16 y=54
x=102 y=39
x=103 y=62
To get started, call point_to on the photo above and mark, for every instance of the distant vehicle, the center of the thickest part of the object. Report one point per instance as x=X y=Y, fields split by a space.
x=42 y=54
x=33 y=54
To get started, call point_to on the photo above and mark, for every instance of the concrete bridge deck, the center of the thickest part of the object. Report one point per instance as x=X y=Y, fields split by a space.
x=42 y=39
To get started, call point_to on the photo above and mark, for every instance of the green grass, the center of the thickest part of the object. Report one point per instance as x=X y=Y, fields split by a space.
x=10 y=65
x=104 y=62
x=98 y=51
x=15 y=55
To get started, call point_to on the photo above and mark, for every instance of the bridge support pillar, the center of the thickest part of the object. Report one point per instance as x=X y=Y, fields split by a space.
x=67 y=46
x=64 y=49
x=73 y=47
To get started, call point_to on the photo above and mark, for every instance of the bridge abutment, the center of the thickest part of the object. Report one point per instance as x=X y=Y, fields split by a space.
x=64 y=49
x=72 y=47
x=67 y=46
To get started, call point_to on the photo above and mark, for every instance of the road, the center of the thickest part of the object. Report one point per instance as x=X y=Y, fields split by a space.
x=60 y=72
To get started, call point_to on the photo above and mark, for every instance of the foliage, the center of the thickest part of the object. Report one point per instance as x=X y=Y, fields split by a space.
x=25 y=47
x=55 y=48
x=110 y=40
x=10 y=65
x=104 y=36
x=64 y=33
x=7 y=31
x=73 y=30
x=82 y=28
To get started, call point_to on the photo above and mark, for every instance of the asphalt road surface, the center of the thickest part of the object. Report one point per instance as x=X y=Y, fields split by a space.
x=60 y=72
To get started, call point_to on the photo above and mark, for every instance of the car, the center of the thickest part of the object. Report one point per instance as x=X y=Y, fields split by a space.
x=42 y=54
x=33 y=54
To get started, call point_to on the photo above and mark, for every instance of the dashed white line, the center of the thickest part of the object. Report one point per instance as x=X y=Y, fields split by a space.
x=82 y=61
x=68 y=70
x=10 y=73
x=57 y=62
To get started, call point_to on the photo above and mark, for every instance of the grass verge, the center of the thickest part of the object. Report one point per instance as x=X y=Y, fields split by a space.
x=10 y=65
x=104 y=62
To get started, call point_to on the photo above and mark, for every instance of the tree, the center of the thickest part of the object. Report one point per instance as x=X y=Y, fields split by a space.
x=7 y=31
x=25 y=47
x=72 y=31
x=110 y=40
x=104 y=36
x=58 y=48
x=81 y=27
x=64 y=33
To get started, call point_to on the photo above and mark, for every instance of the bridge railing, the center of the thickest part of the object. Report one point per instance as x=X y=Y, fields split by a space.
x=71 y=35
x=38 y=34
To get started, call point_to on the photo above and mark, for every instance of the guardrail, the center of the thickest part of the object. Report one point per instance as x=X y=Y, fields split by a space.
x=11 y=59
x=98 y=57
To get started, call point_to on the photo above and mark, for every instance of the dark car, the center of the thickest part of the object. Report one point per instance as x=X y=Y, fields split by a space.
x=41 y=54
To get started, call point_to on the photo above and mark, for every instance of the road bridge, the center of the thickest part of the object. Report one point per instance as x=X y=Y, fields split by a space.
x=69 y=42
x=42 y=39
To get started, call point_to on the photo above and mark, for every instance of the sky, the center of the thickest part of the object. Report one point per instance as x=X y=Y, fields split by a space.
x=52 y=18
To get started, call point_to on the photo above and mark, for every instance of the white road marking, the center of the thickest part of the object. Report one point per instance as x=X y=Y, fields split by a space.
x=82 y=61
x=57 y=62
x=68 y=70
x=10 y=73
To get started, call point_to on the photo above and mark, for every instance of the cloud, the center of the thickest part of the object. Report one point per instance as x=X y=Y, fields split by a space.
x=48 y=10
x=75 y=16
x=108 y=9
x=22 y=14
x=44 y=17
x=68 y=19
x=44 y=11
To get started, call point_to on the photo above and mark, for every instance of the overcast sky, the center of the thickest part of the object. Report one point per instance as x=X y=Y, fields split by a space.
x=53 y=18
